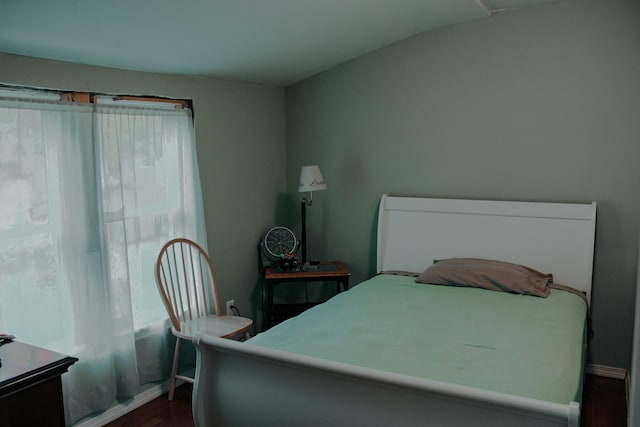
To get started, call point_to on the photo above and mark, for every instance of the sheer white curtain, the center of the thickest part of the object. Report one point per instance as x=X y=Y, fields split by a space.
x=88 y=196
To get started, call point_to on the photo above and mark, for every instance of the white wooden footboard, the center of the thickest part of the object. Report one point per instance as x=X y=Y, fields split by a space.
x=239 y=384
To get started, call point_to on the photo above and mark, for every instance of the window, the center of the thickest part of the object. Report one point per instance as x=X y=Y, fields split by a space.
x=89 y=193
x=29 y=229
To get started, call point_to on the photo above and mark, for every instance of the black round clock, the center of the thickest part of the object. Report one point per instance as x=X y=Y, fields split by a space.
x=280 y=243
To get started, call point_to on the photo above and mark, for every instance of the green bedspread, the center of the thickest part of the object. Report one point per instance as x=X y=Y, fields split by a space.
x=509 y=343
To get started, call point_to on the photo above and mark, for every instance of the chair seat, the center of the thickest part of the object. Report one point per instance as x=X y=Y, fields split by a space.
x=219 y=326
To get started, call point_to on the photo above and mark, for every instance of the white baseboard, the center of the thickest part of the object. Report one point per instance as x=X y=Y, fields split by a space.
x=606 y=371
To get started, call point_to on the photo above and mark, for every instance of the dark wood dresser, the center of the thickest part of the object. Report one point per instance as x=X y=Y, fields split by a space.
x=30 y=385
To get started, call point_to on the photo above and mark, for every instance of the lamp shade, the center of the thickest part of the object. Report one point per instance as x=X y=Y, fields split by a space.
x=311 y=179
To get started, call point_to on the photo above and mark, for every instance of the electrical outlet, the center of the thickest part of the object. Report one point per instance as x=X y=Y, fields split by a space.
x=230 y=304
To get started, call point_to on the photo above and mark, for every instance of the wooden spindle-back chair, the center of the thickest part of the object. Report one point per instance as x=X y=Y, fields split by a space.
x=186 y=282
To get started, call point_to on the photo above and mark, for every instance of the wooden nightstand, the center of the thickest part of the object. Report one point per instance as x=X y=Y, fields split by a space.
x=328 y=271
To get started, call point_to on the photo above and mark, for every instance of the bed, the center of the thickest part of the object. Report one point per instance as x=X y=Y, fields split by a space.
x=370 y=357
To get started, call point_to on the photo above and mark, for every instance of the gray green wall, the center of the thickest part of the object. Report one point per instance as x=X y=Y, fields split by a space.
x=536 y=104
x=240 y=134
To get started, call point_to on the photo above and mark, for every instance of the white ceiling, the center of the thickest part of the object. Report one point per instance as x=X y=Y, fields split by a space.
x=264 y=41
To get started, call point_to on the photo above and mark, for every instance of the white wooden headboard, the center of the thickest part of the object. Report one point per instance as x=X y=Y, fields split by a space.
x=555 y=238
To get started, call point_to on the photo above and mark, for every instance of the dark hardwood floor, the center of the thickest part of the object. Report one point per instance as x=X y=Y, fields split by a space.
x=604 y=405
x=604 y=402
x=160 y=412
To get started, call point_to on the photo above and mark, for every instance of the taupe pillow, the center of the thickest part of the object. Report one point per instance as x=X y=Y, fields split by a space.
x=487 y=274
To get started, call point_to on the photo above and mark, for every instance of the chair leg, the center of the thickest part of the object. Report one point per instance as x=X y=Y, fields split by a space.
x=174 y=368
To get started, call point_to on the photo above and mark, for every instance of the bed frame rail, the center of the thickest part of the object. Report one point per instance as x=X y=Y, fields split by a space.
x=239 y=384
